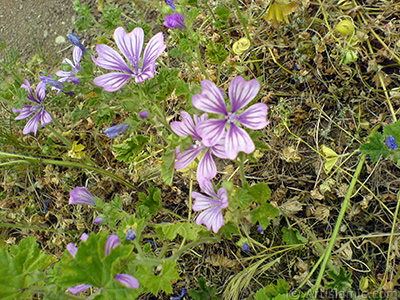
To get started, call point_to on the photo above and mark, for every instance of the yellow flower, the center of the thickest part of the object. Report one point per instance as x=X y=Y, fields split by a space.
x=240 y=46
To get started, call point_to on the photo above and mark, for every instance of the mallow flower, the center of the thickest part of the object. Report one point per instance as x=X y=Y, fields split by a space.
x=131 y=47
x=41 y=115
x=213 y=205
x=175 y=21
x=206 y=169
x=241 y=93
x=81 y=195
x=112 y=242
x=71 y=76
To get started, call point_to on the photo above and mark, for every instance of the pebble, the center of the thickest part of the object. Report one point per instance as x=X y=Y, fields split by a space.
x=45 y=33
x=60 y=39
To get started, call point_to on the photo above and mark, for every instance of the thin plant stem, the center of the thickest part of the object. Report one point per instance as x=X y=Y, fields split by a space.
x=339 y=220
x=197 y=242
x=68 y=164
x=198 y=56
x=241 y=169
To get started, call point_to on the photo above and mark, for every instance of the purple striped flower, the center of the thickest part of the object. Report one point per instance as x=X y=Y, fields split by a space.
x=116 y=130
x=81 y=195
x=241 y=93
x=41 y=115
x=207 y=169
x=175 y=21
x=131 y=47
x=212 y=214
x=128 y=280
x=112 y=242
x=71 y=76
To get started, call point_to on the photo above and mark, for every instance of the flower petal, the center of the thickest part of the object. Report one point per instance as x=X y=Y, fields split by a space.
x=153 y=50
x=45 y=117
x=255 y=116
x=77 y=55
x=81 y=195
x=207 y=169
x=112 y=242
x=185 y=127
x=98 y=220
x=223 y=197
x=72 y=249
x=211 y=131
x=185 y=158
x=112 y=82
x=26 y=111
x=110 y=59
x=32 y=125
x=203 y=202
x=79 y=288
x=219 y=148
x=212 y=218
x=128 y=280
x=242 y=92
x=238 y=140
x=175 y=21
x=149 y=73
x=27 y=86
x=84 y=237
x=207 y=187
x=41 y=90
x=130 y=44
x=211 y=99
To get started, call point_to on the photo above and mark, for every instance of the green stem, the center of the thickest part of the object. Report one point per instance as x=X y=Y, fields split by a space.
x=242 y=20
x=198 y=56
x=68 y=164
x=342 y=212
x=191 y=245
x=241 y=170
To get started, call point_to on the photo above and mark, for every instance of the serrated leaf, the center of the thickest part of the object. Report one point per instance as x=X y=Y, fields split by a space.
x=161 y=282
x=292 y=236
x=91 y=265
x=130 y=148
x=341 y=281
x=182 y=88
x=187 y=230
x=223 y=13
x=168 y=166
x=393 y=129
x=21 y=267
x=228 y=230
x=274 y=291
x=216 y=53
x=263 y=213
x=261 y=192
x=205 y=292
x=243 y=198
x=153 y=201
x=375 y=147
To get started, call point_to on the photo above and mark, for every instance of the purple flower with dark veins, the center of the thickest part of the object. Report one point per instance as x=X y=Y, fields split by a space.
x=41 y=115
x=71 y=76
x=131 y=47
x=207 y=169
x=241 y=93
x=212 y=215
x=175 y=21
x=81 y=195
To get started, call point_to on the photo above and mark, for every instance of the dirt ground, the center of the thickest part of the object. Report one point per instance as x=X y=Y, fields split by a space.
x=31 y=26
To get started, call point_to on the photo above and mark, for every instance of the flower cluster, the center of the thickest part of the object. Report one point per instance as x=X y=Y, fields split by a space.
x=224 y=137
x=112 y=242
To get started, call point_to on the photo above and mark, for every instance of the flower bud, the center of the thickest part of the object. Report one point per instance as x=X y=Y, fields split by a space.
x=345 y=27
x=241 y=46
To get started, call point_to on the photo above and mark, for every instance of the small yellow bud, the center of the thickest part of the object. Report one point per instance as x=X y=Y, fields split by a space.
x=345 y=28
x=241 y=46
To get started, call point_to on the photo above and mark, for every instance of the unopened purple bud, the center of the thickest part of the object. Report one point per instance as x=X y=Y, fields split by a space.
x=260 y=229
x=245 y=247
x=175 y=21
x=391 y=142
x=81 y=195
x=143 y=114
x=75 y=40
x=112 y=242
x=98 y=220
x=171 y=4
x=128 y=280
x=79 y=288
x=130 y=234
x=116 y=130
x=84 y=237
x=72 y=249
x=52 y=82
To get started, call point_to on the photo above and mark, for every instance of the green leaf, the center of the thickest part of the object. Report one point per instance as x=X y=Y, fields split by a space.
x=223 y=13
x=84 y=20
x=292 y=236
x=263 y=213
x=187 y=230
x=261 y=192
x=130 y=148
x=341 y=281
x=111 y=17
x=91 y=265
x=228 y=230
x=274 y=291
x=161 y=282
x=376 y=147
x=192 y=2
x=205 y=292
x=153 y=201
x=175 y=52
x=168 y=166
x=243 y=198
x=394 y=130
x=216 y=53
x=20 y=267
x=182 y=88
